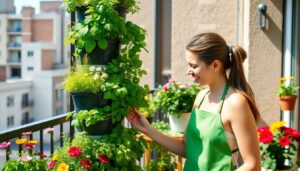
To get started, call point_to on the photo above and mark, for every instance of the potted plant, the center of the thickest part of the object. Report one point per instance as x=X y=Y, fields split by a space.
x=29 y=159
x=148 y=110
x=117 y=151
x=277 y=145
x=287 y=93
x=176 y=101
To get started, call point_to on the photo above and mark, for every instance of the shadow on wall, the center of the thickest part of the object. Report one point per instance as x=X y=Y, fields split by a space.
x=273 y=32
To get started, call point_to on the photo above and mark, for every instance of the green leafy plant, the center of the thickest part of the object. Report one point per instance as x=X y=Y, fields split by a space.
x=287 y=88
x=116 y=151
x=89 y=81
x=277 y=144
x=175 y=98
x=28 y=160
x=89 y=117
x=164 y=160
x=149 y=109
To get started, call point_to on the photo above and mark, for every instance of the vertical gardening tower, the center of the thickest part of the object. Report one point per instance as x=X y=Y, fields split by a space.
x=103 y=84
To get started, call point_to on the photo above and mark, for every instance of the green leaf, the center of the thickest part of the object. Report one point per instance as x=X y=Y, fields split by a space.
x=102 y=43
x=107 y=95
x=90 y=45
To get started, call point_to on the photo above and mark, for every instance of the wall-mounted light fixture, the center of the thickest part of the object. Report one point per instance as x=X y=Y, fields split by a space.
x=262 y=10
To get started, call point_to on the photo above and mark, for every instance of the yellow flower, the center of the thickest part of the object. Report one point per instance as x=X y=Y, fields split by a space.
x=146 y=98
x=292 y=78
x=63 y=167
x=21 y=141
x=146 y=114
x=276 y=125
x=55 y=157
x=282 y=79
x=32 y=141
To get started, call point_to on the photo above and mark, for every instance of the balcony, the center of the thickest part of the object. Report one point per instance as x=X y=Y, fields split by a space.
x=14 y=45
x=14 y=60
x=14 y=31
x=27 y=103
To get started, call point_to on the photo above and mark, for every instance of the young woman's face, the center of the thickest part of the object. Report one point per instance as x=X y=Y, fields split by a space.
x=200 y=72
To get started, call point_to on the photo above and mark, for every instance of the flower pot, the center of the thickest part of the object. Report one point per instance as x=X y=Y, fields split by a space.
x=100 y=128
x=287 y=102
x=178 y=125
x=88 y=101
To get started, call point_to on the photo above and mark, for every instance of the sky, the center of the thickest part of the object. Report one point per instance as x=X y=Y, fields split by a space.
x=32 y=3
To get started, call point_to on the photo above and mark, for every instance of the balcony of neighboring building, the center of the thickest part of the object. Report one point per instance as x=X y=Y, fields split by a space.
x=14 y=45
x=14 y=58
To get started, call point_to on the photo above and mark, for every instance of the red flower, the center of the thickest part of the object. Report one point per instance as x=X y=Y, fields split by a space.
x=4 y=145
x=29 y=146
x=85 y=163
x=42 y=155
x=266 y=137
x=284 y=141
x=51 y=164
x=263 y=129
x=26 y=133
x=74 y=151
x=103 y=158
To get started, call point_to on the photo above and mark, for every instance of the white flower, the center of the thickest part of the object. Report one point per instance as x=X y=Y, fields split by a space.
x=26 y=158
x=96 y=77
x=92 y=68
x=104 y=75
x=98 y=69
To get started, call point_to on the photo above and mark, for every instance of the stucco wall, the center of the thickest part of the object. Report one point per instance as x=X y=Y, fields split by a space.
x=265 y=58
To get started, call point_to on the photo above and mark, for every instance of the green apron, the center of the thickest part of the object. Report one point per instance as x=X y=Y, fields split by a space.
x=207 y=148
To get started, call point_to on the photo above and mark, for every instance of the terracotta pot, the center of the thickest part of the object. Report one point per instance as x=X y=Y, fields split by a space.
x=287 y=102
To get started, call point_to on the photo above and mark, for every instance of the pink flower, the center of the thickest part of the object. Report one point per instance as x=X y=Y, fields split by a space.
x=26 y=158
x=4 y=145
x=103 y=159
x=51 y=164
x=26 y=133
x=166 y=87
x=74 y=151
x=29 y=146
x=48 y=130
x=182 y=86
x=172 y=80
x=263 y=129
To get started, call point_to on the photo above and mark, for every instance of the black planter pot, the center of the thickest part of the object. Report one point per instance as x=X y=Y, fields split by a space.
x=103 y=56
x=100 y=128
x=88 y=101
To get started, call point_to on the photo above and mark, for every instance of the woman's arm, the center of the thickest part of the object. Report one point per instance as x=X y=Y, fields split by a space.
x=244 y=128
x=141 y=123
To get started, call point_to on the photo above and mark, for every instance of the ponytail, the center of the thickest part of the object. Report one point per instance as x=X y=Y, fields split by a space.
x=238 y=81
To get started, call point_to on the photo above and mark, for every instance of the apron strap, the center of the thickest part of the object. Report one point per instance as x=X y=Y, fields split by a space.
x=223 y=97
x=198 y=106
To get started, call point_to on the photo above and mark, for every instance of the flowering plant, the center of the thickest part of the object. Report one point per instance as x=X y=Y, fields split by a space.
x=277 y=143
x=289 y=89
x=175 y=98
x=116 y=151
x=29 y=159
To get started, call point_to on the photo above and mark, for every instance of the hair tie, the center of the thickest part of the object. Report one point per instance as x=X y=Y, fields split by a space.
x=229 y=49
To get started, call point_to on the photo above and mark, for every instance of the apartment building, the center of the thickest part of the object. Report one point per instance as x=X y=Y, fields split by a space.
x=32 y=53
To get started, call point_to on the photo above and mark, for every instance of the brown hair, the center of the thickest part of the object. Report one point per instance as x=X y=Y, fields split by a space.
x=210 y=47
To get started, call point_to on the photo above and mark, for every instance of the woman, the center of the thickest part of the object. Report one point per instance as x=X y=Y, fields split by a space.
x=223 y=120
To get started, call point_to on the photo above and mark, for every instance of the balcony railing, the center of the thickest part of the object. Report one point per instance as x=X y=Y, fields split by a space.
x=14 y=29
x=13 y=45
x=39 y=126
x=27 y=103
x=14 y=60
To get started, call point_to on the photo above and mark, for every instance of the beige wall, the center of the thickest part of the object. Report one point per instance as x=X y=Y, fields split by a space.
x=145 y=18
x=47 y=59
x=265 y=58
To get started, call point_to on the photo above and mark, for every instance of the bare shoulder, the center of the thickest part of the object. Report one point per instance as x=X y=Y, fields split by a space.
x=237 y=100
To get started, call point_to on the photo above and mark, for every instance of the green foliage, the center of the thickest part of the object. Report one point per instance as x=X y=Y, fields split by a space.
x=121 y=147
x=90 y=117
x=19 y=165
x=130 y=5
x=175 y=98
x=289 y=89
x=85 y=81
x=164 y=160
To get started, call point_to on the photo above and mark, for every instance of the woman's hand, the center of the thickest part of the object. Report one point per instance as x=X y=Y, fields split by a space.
x=138 y=121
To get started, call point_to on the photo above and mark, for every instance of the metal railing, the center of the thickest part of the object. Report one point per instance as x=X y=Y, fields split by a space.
x=38 y=126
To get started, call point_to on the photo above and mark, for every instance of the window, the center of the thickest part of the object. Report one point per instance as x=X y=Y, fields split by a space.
x=10 y=101
x=30 y=68
x=59 y=94
x=30 y=53
x=25 y=100
x=10 y=121
x=16 y=72
x=25 y=118
x=59 y=111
